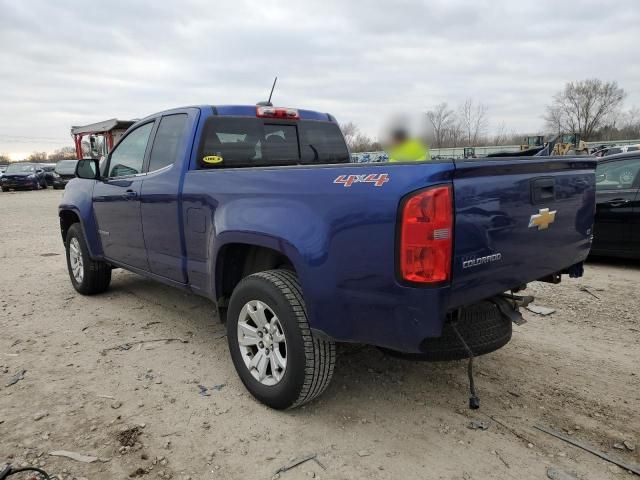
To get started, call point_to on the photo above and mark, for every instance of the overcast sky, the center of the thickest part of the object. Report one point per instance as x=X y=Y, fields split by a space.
x=66 y=63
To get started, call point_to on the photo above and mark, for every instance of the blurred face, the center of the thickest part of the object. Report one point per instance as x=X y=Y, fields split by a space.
x=398 y=137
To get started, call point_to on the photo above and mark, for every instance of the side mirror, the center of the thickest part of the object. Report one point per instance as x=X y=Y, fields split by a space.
x=88 y=169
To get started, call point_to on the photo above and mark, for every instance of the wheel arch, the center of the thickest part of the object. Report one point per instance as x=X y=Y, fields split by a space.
x=241 y=257
x=69 y=216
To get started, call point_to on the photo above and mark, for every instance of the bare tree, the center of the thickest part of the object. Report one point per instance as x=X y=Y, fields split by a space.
x=442 y=119
x=455 y=134
x=584 y=107
x=349 y=131
x=4 y=158
x=356 y=140
x=473 y=120
x=501 y=136
x=64 y=153
x=37 y=157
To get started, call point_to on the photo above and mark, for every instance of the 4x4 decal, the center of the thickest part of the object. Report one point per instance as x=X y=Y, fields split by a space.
x=377 y=179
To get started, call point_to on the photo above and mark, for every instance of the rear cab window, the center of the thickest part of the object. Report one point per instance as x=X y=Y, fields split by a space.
x=232 y=142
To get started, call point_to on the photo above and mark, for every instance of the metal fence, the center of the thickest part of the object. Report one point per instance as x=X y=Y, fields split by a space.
x=458 y=152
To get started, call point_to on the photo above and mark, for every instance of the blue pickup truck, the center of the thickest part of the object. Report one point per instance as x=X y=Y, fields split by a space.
x=260 y=209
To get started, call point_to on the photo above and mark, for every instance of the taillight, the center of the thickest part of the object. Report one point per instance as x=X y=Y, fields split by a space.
x=277 y=112
x=426 y=236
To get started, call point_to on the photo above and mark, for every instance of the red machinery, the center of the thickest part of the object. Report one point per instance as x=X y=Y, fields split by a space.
x=102 y=137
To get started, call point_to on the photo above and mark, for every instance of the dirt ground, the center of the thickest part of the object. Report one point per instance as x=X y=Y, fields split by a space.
x=87 y=379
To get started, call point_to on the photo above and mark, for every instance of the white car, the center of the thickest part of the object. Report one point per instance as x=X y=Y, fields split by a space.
x=617 y=149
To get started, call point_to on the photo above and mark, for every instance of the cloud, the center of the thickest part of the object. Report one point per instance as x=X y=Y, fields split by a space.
x=69 y=62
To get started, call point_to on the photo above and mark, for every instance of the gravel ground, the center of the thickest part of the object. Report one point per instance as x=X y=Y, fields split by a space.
x=139 y=410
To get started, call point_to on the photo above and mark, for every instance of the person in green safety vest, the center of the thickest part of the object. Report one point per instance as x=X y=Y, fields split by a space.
x=405 y=149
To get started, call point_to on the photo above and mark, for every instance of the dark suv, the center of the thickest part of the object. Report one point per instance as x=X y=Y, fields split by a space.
x=65 y=170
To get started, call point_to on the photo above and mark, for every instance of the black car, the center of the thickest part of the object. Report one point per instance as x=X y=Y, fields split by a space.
x=617 y=222
x=23 y=176
x=48 y=172
x=65 y=170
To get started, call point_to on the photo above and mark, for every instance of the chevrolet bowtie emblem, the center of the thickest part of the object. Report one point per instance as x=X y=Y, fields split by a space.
x=542 y=219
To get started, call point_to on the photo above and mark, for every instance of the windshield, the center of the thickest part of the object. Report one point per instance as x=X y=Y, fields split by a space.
x=247 y=142
x=66 y=167
x=20 y=168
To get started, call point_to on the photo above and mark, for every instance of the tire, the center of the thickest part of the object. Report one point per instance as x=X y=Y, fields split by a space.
x=483 y=328
x=310 y=360
x=96 y=276
x=5 y=189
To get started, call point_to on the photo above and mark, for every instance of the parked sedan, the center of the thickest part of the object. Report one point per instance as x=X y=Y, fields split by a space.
x=65 y=170
x=23 y=176
x=617 y=222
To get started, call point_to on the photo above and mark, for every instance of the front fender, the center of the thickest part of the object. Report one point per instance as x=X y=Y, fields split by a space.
x=78 y=198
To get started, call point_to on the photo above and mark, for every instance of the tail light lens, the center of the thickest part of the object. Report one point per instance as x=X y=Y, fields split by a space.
x=426 y=236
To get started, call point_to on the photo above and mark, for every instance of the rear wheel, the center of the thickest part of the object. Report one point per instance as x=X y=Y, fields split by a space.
x=87 y=276
x=278 y=358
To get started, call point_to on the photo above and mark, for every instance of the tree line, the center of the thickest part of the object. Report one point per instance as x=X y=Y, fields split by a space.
x=593 y=108
x=64 y=153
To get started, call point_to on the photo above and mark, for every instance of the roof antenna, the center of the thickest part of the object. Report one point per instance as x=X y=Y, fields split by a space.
x=268 y=102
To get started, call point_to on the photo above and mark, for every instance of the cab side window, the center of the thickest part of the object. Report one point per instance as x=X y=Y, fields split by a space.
x=617 y=175
x=128 y=158
x=165 y=146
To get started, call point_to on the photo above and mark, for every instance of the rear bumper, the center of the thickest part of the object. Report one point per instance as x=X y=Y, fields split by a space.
x=403 y=318
x=399 y=319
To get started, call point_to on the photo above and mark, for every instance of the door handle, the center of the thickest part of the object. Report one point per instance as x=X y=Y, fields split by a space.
x=617 y=202
x=130 y=195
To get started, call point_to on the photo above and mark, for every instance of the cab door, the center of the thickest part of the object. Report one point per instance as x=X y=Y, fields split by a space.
x=116 y=200
x=617 y=208
x=160 y=202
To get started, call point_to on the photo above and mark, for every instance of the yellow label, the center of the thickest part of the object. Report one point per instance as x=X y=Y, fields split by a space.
x=212 y=159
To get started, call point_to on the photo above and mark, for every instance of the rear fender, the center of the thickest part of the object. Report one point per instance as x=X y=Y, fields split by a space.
x=290 y=228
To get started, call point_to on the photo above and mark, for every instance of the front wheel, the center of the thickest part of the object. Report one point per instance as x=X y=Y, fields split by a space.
x=88 y=276
x=278 y=358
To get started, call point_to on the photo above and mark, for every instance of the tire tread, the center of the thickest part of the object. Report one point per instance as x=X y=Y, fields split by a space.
x=97 y=275
x=320 y=353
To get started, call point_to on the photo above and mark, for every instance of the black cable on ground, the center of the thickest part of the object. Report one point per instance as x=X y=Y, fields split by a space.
x=474 y=400
x=9 y=471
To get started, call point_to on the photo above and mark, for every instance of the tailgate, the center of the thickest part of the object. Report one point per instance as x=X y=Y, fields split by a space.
x=518 y=221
